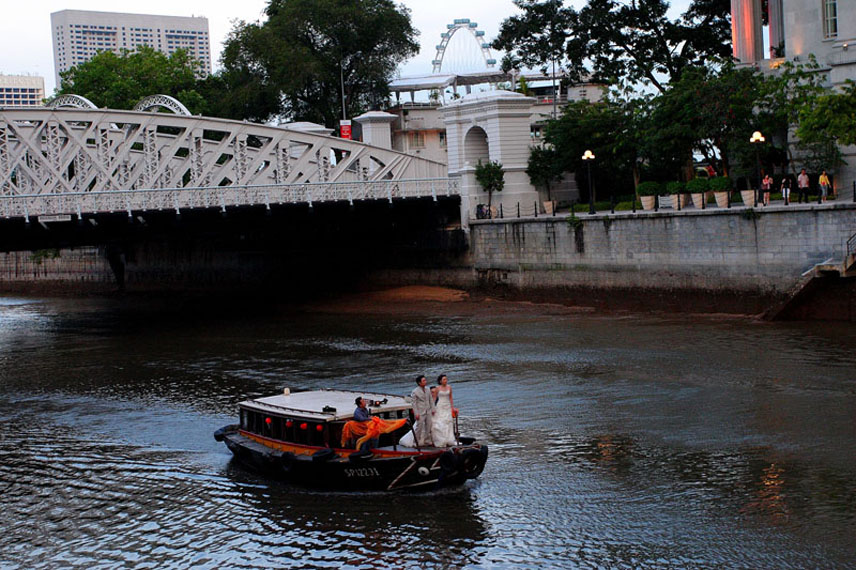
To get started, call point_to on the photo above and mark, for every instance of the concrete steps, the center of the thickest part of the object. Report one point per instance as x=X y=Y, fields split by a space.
x=810 y=281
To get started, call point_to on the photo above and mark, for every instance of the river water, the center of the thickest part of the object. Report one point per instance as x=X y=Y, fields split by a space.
x=615 y=440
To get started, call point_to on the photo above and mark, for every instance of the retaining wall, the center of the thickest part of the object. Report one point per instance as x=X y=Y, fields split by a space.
x=759 y=253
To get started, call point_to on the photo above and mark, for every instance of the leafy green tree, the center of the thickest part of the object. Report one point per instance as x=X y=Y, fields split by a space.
x=787 y=96
x=490 y=177
x=711 y=111
x=635 y=41
x=611 y=131
x=544 y=168
x=119 y=81
x=537 y=37
x=831 y=115
x=297 y=62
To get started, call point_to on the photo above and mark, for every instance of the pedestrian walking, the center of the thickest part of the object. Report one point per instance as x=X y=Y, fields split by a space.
x=823 y=182
x=786 y=188
x=802 y=186
x=766 y=186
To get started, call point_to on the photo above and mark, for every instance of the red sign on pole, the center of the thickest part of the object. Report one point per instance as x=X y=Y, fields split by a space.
x=345 y=129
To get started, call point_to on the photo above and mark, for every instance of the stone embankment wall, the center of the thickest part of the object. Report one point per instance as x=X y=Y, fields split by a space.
x=731 y=260
x=66 y=270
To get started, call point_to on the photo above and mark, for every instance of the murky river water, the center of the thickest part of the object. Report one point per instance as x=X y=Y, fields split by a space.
x=615 y=441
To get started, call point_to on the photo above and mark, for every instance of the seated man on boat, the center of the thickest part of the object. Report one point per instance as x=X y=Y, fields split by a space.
x=366 y=427
x=361 y=414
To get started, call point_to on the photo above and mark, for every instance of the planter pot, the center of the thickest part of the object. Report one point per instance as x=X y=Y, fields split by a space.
x=721 y=199
x=647 y=202
x=748 y=197
x=698 y=199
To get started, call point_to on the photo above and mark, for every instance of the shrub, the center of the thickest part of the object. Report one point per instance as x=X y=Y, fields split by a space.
x=721 y=184
x=649 y=188
x=698 y=185
x=675 y=188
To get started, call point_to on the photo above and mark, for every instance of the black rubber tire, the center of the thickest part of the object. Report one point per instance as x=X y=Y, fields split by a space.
x=325 y=454
x=362 y=455
x=471 y=463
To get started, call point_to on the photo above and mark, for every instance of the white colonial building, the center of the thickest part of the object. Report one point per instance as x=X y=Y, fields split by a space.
x=797 y=29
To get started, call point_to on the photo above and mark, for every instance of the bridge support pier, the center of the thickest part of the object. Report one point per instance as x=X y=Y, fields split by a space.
x=116 y=258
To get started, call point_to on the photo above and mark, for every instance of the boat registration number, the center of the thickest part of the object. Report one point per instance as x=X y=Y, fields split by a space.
x=362 y=472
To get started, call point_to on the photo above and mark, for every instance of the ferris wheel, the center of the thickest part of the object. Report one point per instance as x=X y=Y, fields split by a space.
x=463 y=54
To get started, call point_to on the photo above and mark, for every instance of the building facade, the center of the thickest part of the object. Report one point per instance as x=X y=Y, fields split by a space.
x=797 y=29
x=78 y=35
x=21 y=90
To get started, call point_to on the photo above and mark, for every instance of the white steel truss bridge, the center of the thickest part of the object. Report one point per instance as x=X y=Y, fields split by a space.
x=82 y=160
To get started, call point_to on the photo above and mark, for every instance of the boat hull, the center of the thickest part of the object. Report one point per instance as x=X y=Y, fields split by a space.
x=347 y=470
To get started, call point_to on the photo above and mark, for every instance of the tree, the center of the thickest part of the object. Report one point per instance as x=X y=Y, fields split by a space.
x=300 y=60
x=491 y=177
x=119 y=81
x=610 y=129
x=787 y=96
x=635 y=41
x=832 y=115
x=544 y=168
x=537 y=37
x=711 y=112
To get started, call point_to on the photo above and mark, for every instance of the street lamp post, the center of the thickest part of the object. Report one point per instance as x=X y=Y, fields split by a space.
x=588 y=156
x=756 y=139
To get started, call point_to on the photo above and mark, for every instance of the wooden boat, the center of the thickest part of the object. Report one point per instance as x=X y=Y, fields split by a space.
x=298 y=437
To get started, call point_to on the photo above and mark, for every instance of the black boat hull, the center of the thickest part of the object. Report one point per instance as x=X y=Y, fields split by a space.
x=345 y=470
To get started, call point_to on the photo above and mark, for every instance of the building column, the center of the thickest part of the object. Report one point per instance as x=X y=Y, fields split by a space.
x=746 y=35
x=777 y=28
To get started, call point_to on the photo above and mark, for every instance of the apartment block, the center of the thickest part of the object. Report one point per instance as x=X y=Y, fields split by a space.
x=21 y=90
x=78 y=35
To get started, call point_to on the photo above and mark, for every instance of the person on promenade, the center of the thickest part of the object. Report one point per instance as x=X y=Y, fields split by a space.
x=802 y=186
x=766 y=186
x=823 y=182
x=423 y=410
x=786 y=188
x=443 y=431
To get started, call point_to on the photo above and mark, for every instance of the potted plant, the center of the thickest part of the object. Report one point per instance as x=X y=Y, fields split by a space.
x=748 y=195
x=697 y=187
x=721 y=186
x=648 y=191
x=677 y=190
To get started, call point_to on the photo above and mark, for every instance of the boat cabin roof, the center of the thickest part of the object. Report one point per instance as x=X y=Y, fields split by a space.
x=325 y=405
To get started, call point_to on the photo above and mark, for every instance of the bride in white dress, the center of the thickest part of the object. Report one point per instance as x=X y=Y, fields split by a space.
x=443 y=430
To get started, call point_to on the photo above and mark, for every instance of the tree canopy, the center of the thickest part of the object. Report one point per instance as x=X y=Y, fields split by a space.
x=119 y=81
x=296 y=62
x=617 y=41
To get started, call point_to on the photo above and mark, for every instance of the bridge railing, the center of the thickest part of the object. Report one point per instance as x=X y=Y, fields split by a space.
x=141 y=200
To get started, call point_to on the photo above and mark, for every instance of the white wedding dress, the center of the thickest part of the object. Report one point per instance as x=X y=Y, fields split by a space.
x=443 y=430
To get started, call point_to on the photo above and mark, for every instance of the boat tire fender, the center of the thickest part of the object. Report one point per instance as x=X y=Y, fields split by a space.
x=362 y=455
x=325 y=454
x=286 y=459
x=472 y=463
x=221 y=433
x=448 y=462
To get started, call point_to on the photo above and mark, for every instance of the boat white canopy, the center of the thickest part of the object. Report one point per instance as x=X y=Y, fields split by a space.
x=325 y=405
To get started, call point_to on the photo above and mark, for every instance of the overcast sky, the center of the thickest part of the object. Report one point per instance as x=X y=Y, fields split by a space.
x=26 y=46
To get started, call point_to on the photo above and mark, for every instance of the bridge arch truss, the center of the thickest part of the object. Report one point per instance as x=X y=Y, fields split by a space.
x=83 y=160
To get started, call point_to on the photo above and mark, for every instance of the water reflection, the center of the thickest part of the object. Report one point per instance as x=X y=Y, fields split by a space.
x=615 y=441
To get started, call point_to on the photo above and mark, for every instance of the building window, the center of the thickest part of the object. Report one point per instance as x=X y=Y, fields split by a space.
x=442 y=139
x=830 y=19
x=417 y=139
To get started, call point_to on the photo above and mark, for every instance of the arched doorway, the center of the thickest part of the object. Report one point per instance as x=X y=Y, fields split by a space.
x=476 y=146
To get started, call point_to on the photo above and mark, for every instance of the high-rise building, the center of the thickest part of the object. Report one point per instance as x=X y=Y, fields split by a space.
x=21 y=90
x=78 y=35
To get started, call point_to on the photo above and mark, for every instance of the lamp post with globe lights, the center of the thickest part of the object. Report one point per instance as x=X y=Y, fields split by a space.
x=588 y=156
x=756 y=139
